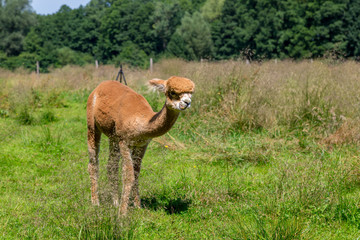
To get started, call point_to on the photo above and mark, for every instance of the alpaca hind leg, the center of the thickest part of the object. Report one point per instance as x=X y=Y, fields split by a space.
x=137 y=156
x=127 y=177
x=113 y=170
x=94 y=137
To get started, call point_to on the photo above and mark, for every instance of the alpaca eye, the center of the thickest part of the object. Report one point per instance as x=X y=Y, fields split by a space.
x=172 y=94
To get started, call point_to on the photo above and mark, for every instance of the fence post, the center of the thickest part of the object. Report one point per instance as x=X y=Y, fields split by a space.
x=96 y=64
x=151 y=65
x=37 y=68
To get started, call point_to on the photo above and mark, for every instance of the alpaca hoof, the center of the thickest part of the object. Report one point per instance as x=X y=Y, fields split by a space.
x=116 y=203
x=95 y=202
x=123 y=210
x=137 y=204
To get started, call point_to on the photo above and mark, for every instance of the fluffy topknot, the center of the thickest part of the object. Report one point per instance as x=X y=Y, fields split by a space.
x=180 y=85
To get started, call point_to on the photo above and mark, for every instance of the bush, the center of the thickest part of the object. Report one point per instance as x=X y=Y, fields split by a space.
x=67 y=56
x=192 y=39
x=25 y=60
x=3 y=60
x=131 y=54
x=25 y=116
x=4 y=113
x=47 y=116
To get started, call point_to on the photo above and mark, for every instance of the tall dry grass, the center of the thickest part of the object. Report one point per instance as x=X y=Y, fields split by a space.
x=271 y=95
x=65 y=79
x=233 y=94
x=23 y=93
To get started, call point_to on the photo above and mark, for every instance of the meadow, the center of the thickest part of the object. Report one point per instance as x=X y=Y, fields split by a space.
x=267 y=151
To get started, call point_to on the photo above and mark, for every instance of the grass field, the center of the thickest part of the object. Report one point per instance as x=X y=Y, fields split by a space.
x=267 y=151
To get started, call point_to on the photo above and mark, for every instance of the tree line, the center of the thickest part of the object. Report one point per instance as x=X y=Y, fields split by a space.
x=132 y=31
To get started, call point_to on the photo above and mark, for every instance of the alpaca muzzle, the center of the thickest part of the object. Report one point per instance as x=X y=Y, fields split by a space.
x=184 y=105
x=185 y=102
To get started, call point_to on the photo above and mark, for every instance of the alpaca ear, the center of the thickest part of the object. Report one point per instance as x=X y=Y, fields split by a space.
x=158 y=84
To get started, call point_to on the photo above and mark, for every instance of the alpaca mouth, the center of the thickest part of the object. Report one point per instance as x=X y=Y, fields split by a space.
x=184 y=105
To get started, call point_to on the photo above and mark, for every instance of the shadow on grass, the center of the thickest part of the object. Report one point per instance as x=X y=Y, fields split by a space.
x=171 y=206
x=253 y=157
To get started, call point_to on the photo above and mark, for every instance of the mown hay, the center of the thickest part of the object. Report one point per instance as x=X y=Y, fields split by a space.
x=347 y=133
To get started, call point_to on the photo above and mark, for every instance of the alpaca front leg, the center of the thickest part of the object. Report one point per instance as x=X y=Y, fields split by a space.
x=127 y=177
x=135 y=189
x=137 y=156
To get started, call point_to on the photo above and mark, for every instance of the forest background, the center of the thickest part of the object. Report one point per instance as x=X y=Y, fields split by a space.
x=132 y=31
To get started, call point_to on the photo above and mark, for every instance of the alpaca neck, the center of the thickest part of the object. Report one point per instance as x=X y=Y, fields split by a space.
x=162 y=122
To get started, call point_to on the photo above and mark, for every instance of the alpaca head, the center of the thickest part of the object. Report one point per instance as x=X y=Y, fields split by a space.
x=178 y=91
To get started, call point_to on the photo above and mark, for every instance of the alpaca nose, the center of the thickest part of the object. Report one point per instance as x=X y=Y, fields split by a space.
x=187 y=101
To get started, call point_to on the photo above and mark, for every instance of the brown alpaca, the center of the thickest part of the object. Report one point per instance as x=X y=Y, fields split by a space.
x=130 y=123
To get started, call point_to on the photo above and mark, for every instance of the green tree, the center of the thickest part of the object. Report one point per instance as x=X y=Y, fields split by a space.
x=211 y=10
x=123 y=21
x=190 y=6
x=25 y=60
x=67 y=31
x=33 y=42
x=165 y=18
x=192 y=39
x=269 y=15
x=288 y=28
x=90 y=34
x=16 y=19
x=295 y=38
x=67 y=56
x=352 y=28
x=131 y=54
x=235 y=30
x=313 y=28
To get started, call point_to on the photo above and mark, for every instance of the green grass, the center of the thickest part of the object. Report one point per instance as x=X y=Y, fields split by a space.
x=251 y=186
x=197 y=181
